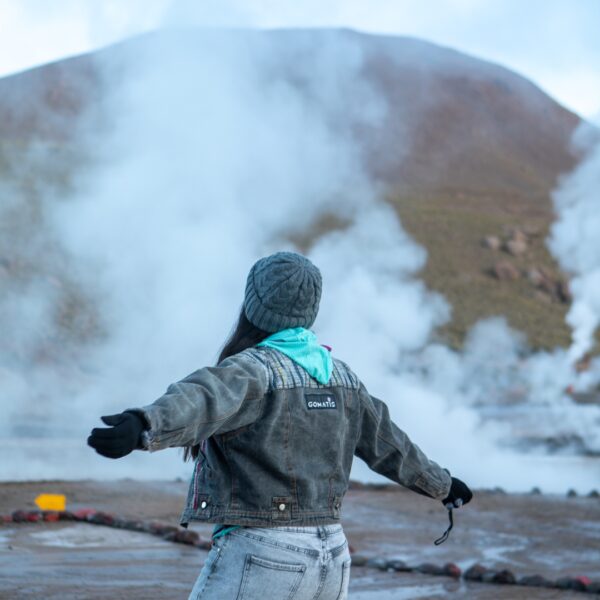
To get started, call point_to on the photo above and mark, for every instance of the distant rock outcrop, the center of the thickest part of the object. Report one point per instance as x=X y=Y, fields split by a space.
x=506 y=271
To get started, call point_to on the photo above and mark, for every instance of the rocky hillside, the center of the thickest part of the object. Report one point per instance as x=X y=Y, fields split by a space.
x=467 y=152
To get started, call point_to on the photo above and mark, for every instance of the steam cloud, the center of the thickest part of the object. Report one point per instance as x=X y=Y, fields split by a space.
x=574 y=241
x=213 y=161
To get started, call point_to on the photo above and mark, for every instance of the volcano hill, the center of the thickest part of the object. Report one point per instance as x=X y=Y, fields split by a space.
x=465 y=150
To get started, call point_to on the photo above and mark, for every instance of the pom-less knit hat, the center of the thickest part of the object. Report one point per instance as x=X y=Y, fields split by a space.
x=283 y=290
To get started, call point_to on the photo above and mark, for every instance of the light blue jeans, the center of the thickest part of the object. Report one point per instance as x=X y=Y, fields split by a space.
x=279 y=563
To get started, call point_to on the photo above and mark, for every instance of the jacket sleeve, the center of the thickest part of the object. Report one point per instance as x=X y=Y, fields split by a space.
x=388 y=450
x=210 y=400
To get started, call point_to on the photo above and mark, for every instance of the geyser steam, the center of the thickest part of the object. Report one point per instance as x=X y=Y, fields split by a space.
x=574 y=240
x=217 y=156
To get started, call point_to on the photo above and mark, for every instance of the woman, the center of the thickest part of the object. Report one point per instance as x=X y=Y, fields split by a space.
x=274 y=428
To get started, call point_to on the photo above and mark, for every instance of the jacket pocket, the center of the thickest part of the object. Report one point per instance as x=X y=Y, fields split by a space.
x=280 y=579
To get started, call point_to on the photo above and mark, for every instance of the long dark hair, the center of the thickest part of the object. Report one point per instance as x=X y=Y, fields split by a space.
x=244 y=335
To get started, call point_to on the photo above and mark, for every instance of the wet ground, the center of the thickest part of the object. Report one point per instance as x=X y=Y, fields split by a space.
x=529 y=534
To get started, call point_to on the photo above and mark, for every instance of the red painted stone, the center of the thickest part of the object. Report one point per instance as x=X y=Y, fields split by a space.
x=33 y=517
x=453 y=570
x=83 y=513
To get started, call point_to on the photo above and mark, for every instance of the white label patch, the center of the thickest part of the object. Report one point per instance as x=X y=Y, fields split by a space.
x=320 y=401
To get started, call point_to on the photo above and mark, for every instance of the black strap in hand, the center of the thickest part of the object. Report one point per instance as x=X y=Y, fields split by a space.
x=122 y=437
x=446 y=533
x=458 y=495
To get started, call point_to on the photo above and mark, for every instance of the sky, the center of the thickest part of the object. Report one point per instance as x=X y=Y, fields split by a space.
x=552 y=42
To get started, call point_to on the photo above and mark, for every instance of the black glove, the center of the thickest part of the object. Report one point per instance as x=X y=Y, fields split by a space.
x=459 y=494
x=123 y=435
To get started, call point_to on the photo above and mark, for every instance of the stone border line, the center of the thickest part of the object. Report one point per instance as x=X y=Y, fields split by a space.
x=89 y=515
x=476 y=572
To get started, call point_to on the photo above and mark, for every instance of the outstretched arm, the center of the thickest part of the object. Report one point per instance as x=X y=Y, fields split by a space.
x=210 y=400
x=389 y=451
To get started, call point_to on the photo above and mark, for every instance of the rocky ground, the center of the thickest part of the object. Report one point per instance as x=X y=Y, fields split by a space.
x=528 y=534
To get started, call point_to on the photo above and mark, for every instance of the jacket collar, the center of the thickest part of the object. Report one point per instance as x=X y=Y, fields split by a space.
x=301 y=346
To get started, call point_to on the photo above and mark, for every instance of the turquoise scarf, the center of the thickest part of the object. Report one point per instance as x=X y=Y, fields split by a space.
x=302 y=347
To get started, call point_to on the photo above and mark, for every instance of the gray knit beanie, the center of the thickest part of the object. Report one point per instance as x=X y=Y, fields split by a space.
x=283 y=290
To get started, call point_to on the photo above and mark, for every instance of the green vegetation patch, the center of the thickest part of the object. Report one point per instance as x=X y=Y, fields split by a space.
x=452 y=227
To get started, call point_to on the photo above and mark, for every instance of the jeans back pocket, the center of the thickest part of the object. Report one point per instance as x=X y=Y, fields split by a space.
x=264 y=578
x=345 y=581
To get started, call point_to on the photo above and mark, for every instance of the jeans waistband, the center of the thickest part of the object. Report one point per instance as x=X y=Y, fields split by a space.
x=318 y=530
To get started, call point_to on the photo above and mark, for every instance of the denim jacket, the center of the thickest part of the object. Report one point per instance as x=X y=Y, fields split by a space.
x=277 y=446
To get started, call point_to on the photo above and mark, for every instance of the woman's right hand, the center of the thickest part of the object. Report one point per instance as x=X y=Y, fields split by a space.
x=459 y=494
x=121 y=437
